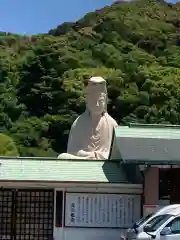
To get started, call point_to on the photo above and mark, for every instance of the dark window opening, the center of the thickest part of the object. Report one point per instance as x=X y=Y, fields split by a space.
x=59 y=208
x=178 y=42
x=164 y=184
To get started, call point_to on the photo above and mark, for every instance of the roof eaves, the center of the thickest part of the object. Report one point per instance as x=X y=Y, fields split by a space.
x=150 y=162
x=46 y=159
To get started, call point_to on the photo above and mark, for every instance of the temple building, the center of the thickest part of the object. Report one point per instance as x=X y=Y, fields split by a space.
x=43 y=198
x=59 y=199
x=155 y=148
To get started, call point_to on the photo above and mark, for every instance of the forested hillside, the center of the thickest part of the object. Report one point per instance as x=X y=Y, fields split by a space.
x=134 y=46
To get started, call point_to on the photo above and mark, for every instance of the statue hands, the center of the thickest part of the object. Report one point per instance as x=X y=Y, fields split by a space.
x=79 y=155
x=87 y=155
x=92 y=156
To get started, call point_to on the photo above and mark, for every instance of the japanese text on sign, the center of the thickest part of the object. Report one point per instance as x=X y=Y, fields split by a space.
x=102 y=210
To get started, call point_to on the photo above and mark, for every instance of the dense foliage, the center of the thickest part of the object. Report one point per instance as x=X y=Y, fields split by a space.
x=8 y=146
x=135 y=46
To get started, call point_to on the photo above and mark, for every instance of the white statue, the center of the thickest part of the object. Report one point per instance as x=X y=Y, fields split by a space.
x=91 y=133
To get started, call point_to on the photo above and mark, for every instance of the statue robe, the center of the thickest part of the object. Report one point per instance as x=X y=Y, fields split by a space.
x=92 y=136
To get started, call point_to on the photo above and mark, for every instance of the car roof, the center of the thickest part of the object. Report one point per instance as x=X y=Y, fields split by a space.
x=174 y=212
x=168 y=208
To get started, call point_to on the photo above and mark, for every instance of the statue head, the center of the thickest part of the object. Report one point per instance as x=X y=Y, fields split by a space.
x=96 y=96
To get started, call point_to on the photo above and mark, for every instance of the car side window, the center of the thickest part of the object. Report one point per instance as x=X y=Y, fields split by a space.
x=175 y=226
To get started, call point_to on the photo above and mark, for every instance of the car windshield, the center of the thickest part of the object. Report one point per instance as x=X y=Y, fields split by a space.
x=142 y=220
x=157 y=221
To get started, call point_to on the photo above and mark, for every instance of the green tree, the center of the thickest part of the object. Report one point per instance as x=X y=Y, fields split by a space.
x=8 y=146
x=133 y=45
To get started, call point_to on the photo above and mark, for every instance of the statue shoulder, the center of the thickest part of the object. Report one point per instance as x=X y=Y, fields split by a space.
x=111 y=120
x=79 y=120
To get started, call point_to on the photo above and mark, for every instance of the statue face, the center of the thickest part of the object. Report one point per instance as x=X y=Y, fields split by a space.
x=96 y=98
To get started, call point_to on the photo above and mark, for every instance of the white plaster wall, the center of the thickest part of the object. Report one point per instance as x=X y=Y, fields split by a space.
x=67 y=233
x=87 y=234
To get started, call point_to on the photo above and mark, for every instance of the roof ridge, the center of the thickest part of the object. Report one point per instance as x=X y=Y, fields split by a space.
x=140 y=125
x=52 y=159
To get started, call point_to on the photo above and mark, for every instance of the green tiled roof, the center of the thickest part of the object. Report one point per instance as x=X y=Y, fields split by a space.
x=148 y=132
x=147 y=143
x=32 y=169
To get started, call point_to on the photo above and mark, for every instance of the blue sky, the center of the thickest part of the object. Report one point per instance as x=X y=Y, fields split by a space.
x=39 y=16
